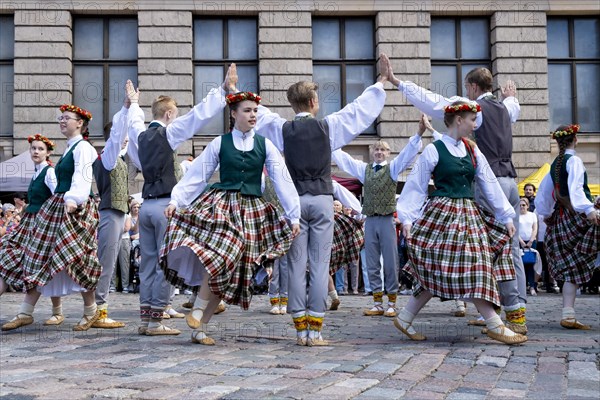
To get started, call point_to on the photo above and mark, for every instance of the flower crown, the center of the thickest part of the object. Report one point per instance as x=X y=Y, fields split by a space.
x=471 y=107
x=570 y=130
x=85 y=114
x=241 y=96
x=40 y=138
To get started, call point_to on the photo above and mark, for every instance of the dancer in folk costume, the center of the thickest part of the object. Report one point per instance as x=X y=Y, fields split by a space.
x=152 y=150
x=307 y=144
x=380 y=180
x=572 y=234
x=348 y=238
x=219 y=239
x=110 y=172
x=456 y=250
x=60 y=256
x=41 y=188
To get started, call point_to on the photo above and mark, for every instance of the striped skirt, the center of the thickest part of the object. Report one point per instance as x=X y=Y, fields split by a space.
x=11 y=251
x=230 y=236
x=348 y=239
x=572 y=245
x=62 y=242
x=458 y=251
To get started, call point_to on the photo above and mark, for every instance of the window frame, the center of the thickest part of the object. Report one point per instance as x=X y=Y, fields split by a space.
x=10 y=62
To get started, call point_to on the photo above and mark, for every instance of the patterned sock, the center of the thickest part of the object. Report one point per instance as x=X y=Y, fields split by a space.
x=144 y=314
x=378 y=297
x=494 y=324
x=300 y=323
x=274 y=301
x=315 y=324
x=283 y=301
x=156 y=316
x=333 y=294
x=515 y=315
x=103 y=308
x=568 y=313
x=392 y=298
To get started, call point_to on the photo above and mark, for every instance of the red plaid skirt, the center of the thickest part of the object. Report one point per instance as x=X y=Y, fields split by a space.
x=11 y=251
x=572 y=245
x=348 y=239
x=232 y=235
x=458 y=251
x=61 y=241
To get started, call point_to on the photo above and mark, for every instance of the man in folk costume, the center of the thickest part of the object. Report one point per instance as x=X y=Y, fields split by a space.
x=110 y=172
x=307 y=144
x=152 y=150
x=493 y=134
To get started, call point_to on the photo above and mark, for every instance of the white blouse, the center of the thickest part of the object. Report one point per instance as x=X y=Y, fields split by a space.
x=118 y=133
x=49 y=179
x=84 y=156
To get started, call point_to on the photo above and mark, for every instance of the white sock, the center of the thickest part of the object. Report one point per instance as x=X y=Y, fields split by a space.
x=377 y=306
x=391 y=305
x=494 y=324
x=153 y=324
x=314 y=334
x=201 y=305
x=90 y=310
x=333 y=294
x=568 y=313
x=405 y=318
x=26 y=309
x=57 y=310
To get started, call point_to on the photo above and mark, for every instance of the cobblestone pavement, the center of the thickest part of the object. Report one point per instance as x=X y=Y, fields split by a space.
x=256 y=356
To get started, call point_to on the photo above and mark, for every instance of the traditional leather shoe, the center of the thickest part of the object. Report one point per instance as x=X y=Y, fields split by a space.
x=516 y=328
x=56 y=319
x=275 y=310
x=142 y=330
x=188 y=304
x=460 y=313
x=301 y=341
x=390 y=312
x=318 y=341
x=18 y=322
x=373 y=311
x=476 y=322
x=162 y=330
x=413 y=336
x=335 y=303
x=173 y=313
x=207 y=341
x=191 y=321
x=569 y=323
x=107 y=323
x=220 y=308
x=501 y=337
x=88 y=322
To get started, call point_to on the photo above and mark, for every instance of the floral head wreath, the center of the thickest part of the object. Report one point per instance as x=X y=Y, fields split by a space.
x=40 y=138
x=241 y=96
x=569 y=130
x=471 y=107
x=85 y=114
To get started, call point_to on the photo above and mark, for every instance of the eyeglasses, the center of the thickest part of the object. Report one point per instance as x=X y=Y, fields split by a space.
x=66 y=118
x=523 y=205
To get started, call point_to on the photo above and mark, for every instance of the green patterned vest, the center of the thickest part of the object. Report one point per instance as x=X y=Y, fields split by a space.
x=38 y=192
x=270 y=195
x=112 y=185
x=453 y=176
x=563 y=180
x=380 y=192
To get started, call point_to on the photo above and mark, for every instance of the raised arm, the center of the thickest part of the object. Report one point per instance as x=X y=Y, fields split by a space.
x=349 y=165
x=270 y=125
x=135 y=123
x=346 y=197
x=509 y=96
x=406 y=157
x=118 y=133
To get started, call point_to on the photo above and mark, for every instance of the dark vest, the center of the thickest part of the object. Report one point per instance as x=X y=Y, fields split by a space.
x=307 y=152
x=159 y=165
x=65 y=168
x=380 y=192
x=563 y=181
x=38 y=192
x=241 y=170
x=112 y=185
x=494 y=137
x=453 y=176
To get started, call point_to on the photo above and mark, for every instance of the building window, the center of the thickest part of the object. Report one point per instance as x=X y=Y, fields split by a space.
x=104 y=57
x=7 y=55
x=574 y=72
x=457 y=46
x=343 y=61
x=219 y=42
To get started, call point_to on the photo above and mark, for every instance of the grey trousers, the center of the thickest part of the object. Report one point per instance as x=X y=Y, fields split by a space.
x=110 y=230
x=154 y=289
x=313 y=245
x=512 y=292
x=352 y=286
x=380 y=240
x=124 y=261
x=278 y=286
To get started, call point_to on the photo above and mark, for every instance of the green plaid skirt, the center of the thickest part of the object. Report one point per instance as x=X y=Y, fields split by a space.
x=348 y=239
x=232 y=235
x=572 y=245
x=457 y=250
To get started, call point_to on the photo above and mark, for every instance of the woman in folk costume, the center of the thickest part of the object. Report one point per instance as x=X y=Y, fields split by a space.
x=217 y=239
x=572 y=234
x=455 y=250
x=60 y=256
x=42 y=186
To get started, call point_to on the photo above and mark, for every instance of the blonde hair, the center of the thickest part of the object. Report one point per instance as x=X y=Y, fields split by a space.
x=161 y=105
x=300 y=94
x=379 y=143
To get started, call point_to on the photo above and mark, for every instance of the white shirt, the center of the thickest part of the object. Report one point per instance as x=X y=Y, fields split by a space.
x=344 y=125
x=202 y=168
x=415 y=191
x=541 y=227
x=346 y=197
x=118 y=133
x=181 y=129
x=545 y=199
x=526 y=222
x=401 y=162
x=433 y=104
x=84 y=156
x=49 y=179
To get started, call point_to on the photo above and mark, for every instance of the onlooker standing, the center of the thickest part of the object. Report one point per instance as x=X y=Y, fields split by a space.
x=527 y=239
x=529 y=190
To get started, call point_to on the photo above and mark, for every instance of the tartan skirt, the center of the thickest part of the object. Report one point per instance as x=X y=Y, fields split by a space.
x=459 y=251
x=11 y=251
x=572 y=245
x=231 y=236
x=348 y=239
x=61 y=241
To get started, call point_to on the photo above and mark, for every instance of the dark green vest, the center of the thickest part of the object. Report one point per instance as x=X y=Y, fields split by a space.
x=241 y=170
x=453 y=176
x=563 y=182
x=38 y=192
x=65 y=168
x=380 y=192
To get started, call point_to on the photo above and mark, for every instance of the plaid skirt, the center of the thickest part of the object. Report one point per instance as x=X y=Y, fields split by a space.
x=572 y=245
x=232 y=235
x=457 y=250
x=11 y=251
x=348 y=239
x=61 y=241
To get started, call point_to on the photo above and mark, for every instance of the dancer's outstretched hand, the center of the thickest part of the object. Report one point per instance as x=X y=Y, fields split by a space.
x=509 y=90
x=383 y=67
x=231 y=79
x=132 y=94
